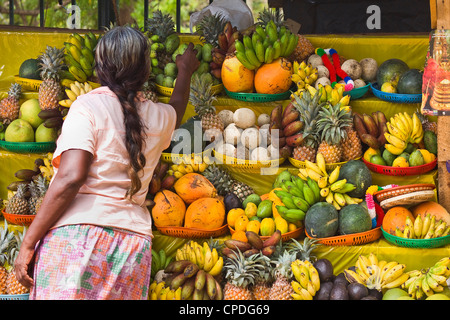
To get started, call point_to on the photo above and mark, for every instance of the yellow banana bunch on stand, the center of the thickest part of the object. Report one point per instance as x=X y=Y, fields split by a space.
x=206 y=258
x=187 y=164
x=159 y=291
x=327 y=93
x=303 y=74
x=47 y=169
x=73 y=91
x=426 y=227
x=307 y=281
x=403 y=129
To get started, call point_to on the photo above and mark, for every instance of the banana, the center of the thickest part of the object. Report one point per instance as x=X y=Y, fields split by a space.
x=440 y=228
x=78 y=73
x=251 y=57
x=334 y=175
x=405 y=122
x=440 y=279
x=313 y=167
x=395 y=141
x=387 y=268
x=65 y=103
x=431 y=228
x=243 y=59
x=373 y=259
x=392 y=274
x=320 y=160
x=440 y=270
x=268 y=54
x=426 y=225
x=397 y=282
x=352 y=276
x=393 y=130
x=339 y=198
x=200 y=257
x=338 y=184
x=393 y=149
x=418 y=223
x=443 y=262
x=217 y=268
x=313 y=174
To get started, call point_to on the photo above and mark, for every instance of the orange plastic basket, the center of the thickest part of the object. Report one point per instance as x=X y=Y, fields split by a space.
x=18 y=219
x=193 y=233
x=354 y=239
x=284 y=237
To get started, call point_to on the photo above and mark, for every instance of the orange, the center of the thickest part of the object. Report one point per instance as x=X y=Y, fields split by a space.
x=253 y=225
x=239 y=235
x=395 y=217
x=241 y=223
x=233 y=214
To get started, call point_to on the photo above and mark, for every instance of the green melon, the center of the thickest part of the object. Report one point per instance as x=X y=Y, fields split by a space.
x=321 y=220
x=410 y=82
x=354 y=218
x=357 y=173
x=390 y=71
x=30 y=69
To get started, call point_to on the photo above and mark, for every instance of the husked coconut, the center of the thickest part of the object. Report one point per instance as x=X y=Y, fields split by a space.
x=242 y=152
x=226 y=149
x=251 y=138
x=323 y=81
x=323 y=71
x=274 y=151
x=260 y=154
x=369 y=68
x=244 y=118
x=263 y=119
x=265 y=135
x=359 y=83
x=352 y=68
x=226 y=116
x=232 y=134
x=315 y=60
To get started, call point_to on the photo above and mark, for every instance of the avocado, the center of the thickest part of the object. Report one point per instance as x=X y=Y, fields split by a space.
x=339 y=292
x=325 y=269
x=430 y=141
x=357 y=291
x=375 y=293
x=341 y=278
x=324 y=292
x=231 y=201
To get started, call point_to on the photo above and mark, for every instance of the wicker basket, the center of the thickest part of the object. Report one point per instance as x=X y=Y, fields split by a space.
x=261 y=97
x=401 y=190
x=24 y=296
x=401 y=171
x=180 y=158
x=354 y=239
x=395 y=97
x=416 y=243
x=193 y=233
x=328 y=166
x=408 y=199
x=28 y=84
x=246 y=164
x=28 y=147
x=284 y=237
x=166 y=91
x=18 y=219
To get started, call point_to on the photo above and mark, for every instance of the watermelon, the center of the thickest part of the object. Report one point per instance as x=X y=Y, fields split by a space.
x=390 y=71
x=354 y=218
x=321 y=220
x=30 y=69
x=410 y=82
x=357 y=173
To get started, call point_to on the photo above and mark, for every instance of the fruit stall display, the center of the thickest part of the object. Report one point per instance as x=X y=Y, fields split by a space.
x=347 y=169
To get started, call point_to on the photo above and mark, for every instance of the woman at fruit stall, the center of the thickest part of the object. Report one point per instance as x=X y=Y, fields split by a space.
x=91 y=238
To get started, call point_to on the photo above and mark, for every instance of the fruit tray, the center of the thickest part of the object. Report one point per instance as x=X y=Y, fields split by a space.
x=354 y=239
x=193 y=233
x=261 y=97
x=401 y=171
x=18 y=219
x=166 y=91
x=28 y=147
x=401 y=190
x=395 y=97
x=416 y=243
x=284 y=237
x=358 y=92
x=28 y=84
x=329 y=166
x=24 y=296
x=246 y=164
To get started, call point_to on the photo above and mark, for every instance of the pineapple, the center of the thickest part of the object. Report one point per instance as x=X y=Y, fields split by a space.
x=13 y=286
x=50 y=91
x=18 y=204
x=281 y=289
x=303 y=250
x=9 y=107
x=6 y=240
x=303 y=50
x=261 y=288
x=149 y=92
x=37 y=190
x=202 y=97
x=427 y=124
x=269 y=14
x=161 y=25
x=351 y=146
x=241 y=190
x=332 y=123
x=210 y=27
x=309 y=108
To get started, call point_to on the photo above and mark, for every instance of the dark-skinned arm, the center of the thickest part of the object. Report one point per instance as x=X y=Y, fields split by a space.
x=187 y=63
x=72 y=173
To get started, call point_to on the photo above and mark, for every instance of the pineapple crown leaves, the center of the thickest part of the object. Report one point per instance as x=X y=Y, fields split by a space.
x=270 y=14
x=309 y=108
x=161 y=24
x=52 y=61
x=7 y=242
x=332 y=123
x=201 y=95
x=283 y=265
x=15 y=90
x=303 y=250
x=241 y=271
x=209 y=28
x=219 y=177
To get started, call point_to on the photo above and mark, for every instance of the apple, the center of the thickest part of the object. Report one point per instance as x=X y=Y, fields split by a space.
x=394 y=294
x=29 y=111
x=44 y=134
x=19 y=130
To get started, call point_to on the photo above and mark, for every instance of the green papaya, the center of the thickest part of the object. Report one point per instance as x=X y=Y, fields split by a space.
x=264 y=209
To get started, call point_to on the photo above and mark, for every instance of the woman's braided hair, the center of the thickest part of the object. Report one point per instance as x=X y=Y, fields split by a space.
x=123 y=64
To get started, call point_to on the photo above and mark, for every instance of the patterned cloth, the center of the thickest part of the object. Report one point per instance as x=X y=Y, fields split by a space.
x=86 y=262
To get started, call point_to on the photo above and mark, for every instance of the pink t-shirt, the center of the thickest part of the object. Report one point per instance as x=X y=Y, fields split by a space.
x=95 y=124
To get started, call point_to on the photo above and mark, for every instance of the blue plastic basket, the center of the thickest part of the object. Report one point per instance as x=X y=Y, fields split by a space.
x=357 y=92
x=395 y=97
x=24 y=296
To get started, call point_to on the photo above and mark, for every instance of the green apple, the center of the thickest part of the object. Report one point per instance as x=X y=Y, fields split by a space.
x=29 y=111
x=44 y=134
x=437 y=296
x=19 y=130
x=394 y=294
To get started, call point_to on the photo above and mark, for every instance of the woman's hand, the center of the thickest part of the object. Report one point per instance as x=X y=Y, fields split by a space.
x=22 y=266
x=187 y=63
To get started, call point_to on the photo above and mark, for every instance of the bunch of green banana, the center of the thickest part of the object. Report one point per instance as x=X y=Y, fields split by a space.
x=159 y=291
x=265 y=45
x=75 y=90
x=423 y=228
x=423 y=283
x=307 y=281
x=334 y=191
x=297 y=195
x=376 y=274
x=206 y=258
x=195 y=283
x=159 y=261
x=403 y=129
x=79 y=56
x=303 y=74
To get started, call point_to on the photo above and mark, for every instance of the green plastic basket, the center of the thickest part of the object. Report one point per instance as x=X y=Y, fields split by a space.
x=24 y=296
x=357 y=92
x=28 y=147
x=416 y=243
x=260 y=97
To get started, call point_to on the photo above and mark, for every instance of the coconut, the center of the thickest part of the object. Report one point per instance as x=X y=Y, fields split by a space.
x=242 y=152
x=274 y=151
x=359 y=83
x=232 y=134
x=323 y=81
x=260 y=154
x=226 y=149
x=323 y=71
x=263 y=119
x=315 y=60
x=369 y=68
x=244 y=118
x=265 y=134
x=251 y=138
x=226 y=116
x=352 y=68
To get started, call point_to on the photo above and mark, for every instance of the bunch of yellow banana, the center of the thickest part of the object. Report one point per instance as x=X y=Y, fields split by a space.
x=47 y=169
x=202 y=255
x=75 y=90
x=423 y=228
x=425 y=282
x=307 y=281
x=303 y=74
x=327 y=94
x=334 y=191
x=79 y=56
x=403 y=129
x=179 y=170
x=376 y=274
x=159 y=291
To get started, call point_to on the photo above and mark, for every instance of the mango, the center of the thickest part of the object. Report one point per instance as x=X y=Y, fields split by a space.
x=369 y=153
x=430 y=141
x=267 y=227
x=253 y=198
x=264 y=209
x=416 y=159
x=427 y=156
x=388 y=157
x=400 y=162
x=281 y=224
x=250 y=210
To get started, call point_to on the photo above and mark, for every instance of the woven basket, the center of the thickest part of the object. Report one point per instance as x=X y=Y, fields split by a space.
x=409 y=199
x=192 y=233
x=246 y=164
x=328 y=166
x=395 y=97
x=401 y=190
x=28 y=84
x=18 y=219
x=180 y=158
x=28 y=147
x=398 y=171
x=416 y=243
x=284 y=237
x=354 y=239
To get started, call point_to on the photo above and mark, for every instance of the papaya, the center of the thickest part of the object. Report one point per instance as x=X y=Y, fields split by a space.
x=281 y=224
x=193 y=186
x=205 y=213
x=169 y=209
x=267 y=227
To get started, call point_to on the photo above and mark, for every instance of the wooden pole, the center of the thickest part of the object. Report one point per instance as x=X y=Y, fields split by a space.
x=440 y=19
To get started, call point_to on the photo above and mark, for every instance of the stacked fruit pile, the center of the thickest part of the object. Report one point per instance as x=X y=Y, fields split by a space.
x=394 y=76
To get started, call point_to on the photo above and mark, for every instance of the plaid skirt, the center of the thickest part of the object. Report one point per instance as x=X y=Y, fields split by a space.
x=86 y=262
